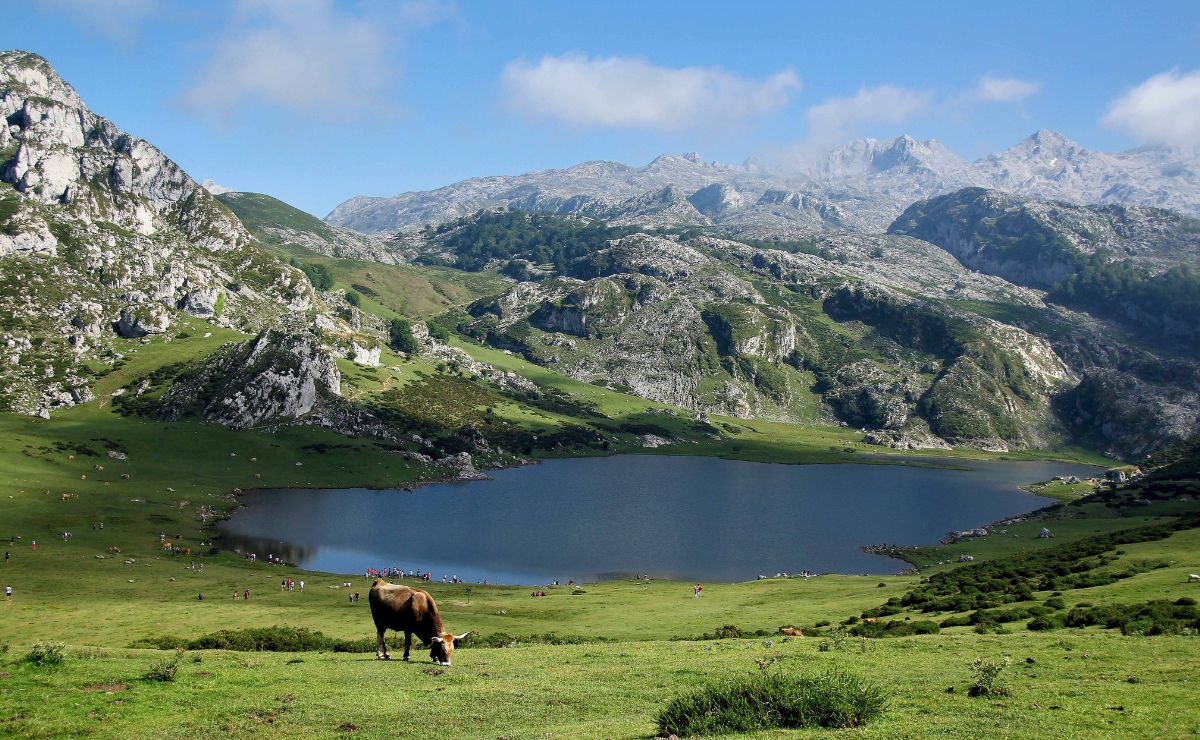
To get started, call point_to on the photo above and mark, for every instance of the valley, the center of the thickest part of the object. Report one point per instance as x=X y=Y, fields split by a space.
x=891 y=315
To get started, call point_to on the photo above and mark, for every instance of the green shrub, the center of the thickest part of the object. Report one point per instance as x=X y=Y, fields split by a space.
x=1042 y=623
x=773 y=700
x=165 y=669
x=986 y=681
x=400 y=337
x=353 y=298
x=895 y=628
x=1158 y=617
x=46 y=652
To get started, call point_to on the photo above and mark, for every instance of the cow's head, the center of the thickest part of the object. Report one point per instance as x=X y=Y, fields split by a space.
x=442 y=647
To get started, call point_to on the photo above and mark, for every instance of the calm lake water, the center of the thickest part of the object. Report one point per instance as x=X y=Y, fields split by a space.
x=696 y=518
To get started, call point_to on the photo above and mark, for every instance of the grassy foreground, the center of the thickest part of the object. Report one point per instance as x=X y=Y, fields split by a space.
x=1063 y=685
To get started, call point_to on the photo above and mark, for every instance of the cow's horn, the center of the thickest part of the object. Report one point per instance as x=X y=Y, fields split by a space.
x=437 y=639
x=462 y=636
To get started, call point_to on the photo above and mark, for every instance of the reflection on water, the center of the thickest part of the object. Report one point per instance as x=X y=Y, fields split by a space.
x=678 y=517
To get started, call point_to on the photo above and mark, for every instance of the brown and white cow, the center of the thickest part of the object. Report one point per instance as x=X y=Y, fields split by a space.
x=411 y=611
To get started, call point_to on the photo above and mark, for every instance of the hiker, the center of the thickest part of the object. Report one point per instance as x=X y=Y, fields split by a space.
x=235 y=596
x=283 y=585
x=8 y=593
x=698 y=589
x=246 y=595
x=33 y=545
x=200 y=597
x=301 y=584
x=6 y=556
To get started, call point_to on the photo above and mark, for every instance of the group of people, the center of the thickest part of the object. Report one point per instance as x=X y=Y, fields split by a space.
x=420 y=575
x=289 y=584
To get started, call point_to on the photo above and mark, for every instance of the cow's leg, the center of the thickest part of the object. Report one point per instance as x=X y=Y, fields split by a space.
x=407 y=643
x=381 y=652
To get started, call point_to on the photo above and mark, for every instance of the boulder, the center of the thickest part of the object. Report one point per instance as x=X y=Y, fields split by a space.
x=139 y=320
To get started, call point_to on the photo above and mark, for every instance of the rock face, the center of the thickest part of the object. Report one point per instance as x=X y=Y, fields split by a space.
x=863 y=185
x=102 y=236
x=1038 y=243
x=138 y=321
x=274 y=378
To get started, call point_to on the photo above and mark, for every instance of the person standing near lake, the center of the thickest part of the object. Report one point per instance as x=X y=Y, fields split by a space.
x=698 y=589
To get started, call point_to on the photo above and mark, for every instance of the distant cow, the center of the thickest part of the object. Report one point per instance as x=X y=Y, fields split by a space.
x=791 y=631
x=1193 y=577
x=411 y=611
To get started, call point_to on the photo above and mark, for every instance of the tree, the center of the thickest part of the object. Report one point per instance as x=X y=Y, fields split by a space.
x=353 y=298
x=400 y=337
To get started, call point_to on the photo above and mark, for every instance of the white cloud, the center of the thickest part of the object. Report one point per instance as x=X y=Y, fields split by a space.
x=1164 y=109
x=631 y=92
x=310 y=56
x=1004 y=89
x=837 y=119
x=118 y=19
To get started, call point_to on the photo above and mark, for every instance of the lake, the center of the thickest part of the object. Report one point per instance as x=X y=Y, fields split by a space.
x=693 y=518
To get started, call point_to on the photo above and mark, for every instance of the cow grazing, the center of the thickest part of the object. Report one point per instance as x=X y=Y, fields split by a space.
x=1193 y=577
x=411 y=611
x=791 y=631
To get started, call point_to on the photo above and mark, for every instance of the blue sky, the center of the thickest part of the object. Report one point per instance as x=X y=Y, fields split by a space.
x=315 y=101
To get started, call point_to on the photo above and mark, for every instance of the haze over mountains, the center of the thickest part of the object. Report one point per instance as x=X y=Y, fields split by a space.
x=863 y=186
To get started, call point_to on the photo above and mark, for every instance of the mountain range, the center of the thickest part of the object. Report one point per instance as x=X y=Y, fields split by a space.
x=882 y=291
x=861 y=186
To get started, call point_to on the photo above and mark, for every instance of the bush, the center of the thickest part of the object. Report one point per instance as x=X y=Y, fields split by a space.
x=895 y=628
x=1042 y=623
x=45 y=652
x=165 y=670
x=353 y=298
x=986 y=678
x=1159 y=617
x=772 y=700
x=400 y=337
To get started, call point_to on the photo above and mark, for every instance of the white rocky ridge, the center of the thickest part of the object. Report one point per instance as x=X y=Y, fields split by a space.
x=103 y=236
x=862 y=185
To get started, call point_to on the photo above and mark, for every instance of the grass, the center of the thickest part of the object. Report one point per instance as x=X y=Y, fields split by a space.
x=1080 y=683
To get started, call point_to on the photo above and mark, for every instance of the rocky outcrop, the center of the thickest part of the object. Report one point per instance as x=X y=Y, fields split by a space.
x=1129 y=417
x=102 y=236
x=1039 y=243
x=142 y=319
x=274 y=378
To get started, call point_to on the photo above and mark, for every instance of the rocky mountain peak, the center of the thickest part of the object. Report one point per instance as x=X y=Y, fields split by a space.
x=31 y=75
x=873 y=156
